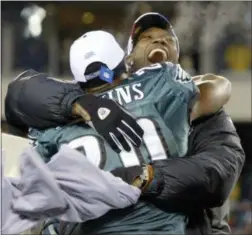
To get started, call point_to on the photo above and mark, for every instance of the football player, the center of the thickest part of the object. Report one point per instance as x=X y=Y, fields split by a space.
x=214 y=146
x=160 y=95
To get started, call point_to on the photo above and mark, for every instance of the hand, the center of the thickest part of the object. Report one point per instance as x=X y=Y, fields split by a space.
x=138 y=176
x=110 y=120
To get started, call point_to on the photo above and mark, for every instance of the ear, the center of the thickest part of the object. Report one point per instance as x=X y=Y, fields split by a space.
x=128 y=62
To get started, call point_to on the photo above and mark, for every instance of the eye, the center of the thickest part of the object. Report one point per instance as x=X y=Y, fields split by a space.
x=146 y=37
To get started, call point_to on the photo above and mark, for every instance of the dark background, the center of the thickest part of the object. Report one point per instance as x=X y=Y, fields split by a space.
x=214 y=37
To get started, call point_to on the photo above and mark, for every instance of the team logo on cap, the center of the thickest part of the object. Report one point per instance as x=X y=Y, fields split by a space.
x=106 y=74
x=89 y=55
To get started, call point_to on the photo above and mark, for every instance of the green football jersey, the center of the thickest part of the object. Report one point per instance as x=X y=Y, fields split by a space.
x=160 y=97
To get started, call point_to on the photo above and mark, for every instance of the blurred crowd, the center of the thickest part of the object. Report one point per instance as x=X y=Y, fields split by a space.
x=241 y=206
x=214 y=36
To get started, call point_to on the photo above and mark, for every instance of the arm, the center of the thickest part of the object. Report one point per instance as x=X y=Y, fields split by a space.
x=206 y=177
x=215 y=91
x=35 y=100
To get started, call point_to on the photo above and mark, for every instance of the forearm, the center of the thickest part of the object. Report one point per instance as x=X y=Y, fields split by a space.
x=215 y=91
x=206 y=176
x=197 y=180
x=36 y=100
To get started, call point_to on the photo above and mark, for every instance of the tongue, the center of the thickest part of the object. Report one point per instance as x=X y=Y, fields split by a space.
x=157 y=56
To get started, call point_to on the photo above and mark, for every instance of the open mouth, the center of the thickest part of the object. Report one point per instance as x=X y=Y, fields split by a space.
x=158 y=55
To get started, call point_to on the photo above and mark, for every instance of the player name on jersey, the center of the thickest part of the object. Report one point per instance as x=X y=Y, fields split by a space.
x=159 y=96
x=126 y=94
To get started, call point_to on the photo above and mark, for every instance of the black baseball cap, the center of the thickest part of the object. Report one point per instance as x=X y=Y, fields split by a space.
x=146 y=21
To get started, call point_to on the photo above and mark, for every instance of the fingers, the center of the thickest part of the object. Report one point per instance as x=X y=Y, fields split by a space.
x=120 y=129
x=118 y=137
x=128 y=130
x=134 y=125
x=117 y=141
x=114 y=144
x=132 y=131
x=130 y=126
x=122 y=135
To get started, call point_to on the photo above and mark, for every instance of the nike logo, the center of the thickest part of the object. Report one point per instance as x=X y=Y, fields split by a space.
x=103 y=113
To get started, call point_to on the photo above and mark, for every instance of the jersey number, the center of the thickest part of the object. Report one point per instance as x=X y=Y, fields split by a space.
x=181 y=75
x=151 y=67
x=153 y=140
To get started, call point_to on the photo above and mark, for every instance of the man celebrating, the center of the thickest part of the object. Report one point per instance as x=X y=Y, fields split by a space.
x=161 y=96
x=207 y=165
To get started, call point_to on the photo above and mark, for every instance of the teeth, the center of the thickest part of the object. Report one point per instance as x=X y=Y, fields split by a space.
x=159 y=51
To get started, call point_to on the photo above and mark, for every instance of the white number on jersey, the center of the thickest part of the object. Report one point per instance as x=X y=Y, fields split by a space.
x=151 y=67
x=181 y=76
x=91 y=146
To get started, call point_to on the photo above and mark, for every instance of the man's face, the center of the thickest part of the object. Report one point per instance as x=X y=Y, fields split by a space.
x=154 y=45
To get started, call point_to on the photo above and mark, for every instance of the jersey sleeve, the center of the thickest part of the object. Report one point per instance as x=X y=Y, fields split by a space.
x=184 y=82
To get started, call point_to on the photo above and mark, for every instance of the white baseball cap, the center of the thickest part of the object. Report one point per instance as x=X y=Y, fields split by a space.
x=95 y=46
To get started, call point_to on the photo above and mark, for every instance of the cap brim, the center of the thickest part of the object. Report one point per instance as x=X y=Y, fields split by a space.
x=79 y=75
